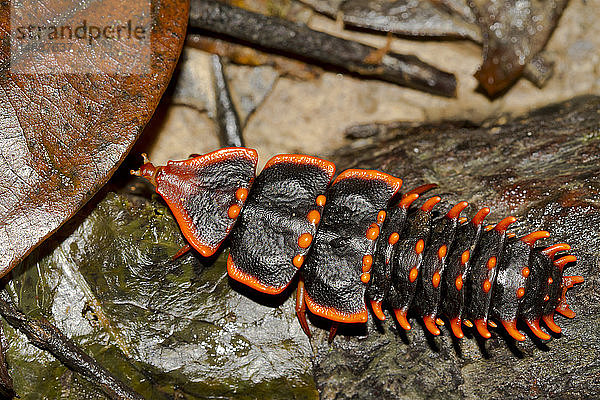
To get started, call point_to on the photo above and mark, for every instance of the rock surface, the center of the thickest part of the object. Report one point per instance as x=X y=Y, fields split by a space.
x=169 y=328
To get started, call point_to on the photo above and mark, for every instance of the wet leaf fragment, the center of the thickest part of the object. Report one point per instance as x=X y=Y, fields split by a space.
x=514 y=32
x=432 y=19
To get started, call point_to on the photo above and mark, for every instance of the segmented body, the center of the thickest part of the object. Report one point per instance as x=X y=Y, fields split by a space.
x=357 y=241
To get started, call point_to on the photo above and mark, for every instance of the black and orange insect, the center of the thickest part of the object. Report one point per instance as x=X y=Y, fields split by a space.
x=359 y=239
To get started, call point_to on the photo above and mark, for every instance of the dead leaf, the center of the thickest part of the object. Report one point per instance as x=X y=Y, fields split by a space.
x=68 y=118
x=514 y=32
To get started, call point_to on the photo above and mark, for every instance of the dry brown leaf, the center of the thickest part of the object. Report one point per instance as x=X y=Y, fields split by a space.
x=63 y=134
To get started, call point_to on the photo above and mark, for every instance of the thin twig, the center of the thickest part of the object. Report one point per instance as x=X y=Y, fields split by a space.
x=299 y=41
x=7 y=390
x=229 y=123
x=46 y=336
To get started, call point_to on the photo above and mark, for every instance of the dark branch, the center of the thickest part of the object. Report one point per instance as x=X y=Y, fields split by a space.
x=47 y=337
x=299 y=41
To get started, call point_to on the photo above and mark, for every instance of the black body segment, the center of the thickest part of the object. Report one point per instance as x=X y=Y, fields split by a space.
x=338 y=267
x=407 y=258
x=554 y=283
x=381 y=274
x=206 y=193
x=536 y=294
x=510 y=291
x=538 y=287
x=483 y=275
x=457 y=273
x=458 y=269
x=433 y=266
x=280 y=219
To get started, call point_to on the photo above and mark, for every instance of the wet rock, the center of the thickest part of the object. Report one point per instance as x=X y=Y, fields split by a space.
x=107 y=281
x=543 y=168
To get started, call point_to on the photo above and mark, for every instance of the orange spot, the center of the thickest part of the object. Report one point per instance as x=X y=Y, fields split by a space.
x=365 y=278
x=550 y=281
x=367 y=261
x=525 y=272
x=381 y=217
x=442 y=251
x=298 y=261
x=491 y=263
x=458 y=283
x=373 y=232
x=492 y=324
x=419 y=246
x=435 y=281
x=393 y=239
x=314 y=217
x=487 y=285
x=241 y=194
x=321 y=200
x=464 y=258
x=412 y=275
x=520 y=292
x=233 y=211
x=546 y=298
x=305 y=240
x=468 y=323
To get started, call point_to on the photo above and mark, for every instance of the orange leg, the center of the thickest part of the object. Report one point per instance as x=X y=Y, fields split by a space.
x=301 y=308
x=333 y=331
x=181 y=252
